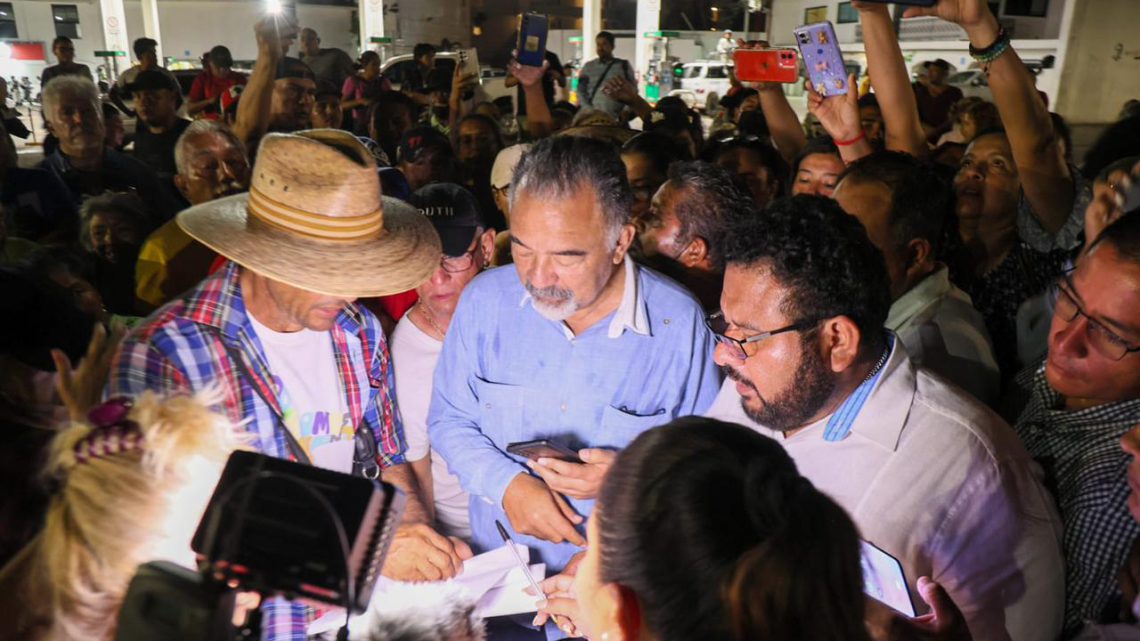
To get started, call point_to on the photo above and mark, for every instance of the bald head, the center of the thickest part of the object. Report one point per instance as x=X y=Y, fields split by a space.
x=310 y=42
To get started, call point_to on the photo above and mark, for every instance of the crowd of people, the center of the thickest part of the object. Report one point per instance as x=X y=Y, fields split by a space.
x=748 y=347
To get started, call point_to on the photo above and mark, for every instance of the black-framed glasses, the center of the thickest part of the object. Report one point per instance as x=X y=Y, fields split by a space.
x=458 y=264
x=1102 y=339
x=736 y=346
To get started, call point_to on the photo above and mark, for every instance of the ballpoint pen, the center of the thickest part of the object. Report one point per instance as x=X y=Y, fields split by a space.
x=526 y=571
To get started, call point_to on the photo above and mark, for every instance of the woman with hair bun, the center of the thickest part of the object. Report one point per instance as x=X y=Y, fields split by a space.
x=706 y=530
x=131 y=483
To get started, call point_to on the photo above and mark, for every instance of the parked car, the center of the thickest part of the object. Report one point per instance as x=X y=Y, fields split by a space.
x=492 y=82
x=972 y=82
x=703 y=83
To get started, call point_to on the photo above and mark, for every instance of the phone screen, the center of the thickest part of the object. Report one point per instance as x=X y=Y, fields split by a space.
x=884 y=580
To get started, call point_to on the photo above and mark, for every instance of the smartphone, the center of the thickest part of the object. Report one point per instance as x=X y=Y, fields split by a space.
x=883 y=579
x=543 y=448
x=532 y=39
x=767 y=65
x=823 y=60
x=913 y=3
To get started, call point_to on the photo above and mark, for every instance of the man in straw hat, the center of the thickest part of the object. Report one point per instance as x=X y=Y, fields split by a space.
x=277 y=330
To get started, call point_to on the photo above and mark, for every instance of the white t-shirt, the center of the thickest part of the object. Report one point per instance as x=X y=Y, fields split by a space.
x=414 y=355
x=312 y=399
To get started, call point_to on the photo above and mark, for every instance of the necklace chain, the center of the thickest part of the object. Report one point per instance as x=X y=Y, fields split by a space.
x=879 y=365
x=430 y=319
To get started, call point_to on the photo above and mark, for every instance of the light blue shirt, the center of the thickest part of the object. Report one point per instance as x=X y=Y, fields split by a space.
x=507 y=374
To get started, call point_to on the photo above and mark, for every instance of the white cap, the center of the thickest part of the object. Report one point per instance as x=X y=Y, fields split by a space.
x=504 y=168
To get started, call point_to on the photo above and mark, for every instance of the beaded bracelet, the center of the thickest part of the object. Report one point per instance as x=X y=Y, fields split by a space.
x=993 y=52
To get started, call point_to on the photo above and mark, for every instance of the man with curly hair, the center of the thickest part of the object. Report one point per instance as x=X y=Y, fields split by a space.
x=929 y=474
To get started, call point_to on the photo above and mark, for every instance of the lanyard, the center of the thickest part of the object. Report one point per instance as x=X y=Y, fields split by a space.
x=840 y=423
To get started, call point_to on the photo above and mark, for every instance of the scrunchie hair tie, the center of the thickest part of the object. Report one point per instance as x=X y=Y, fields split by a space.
x=112 y=432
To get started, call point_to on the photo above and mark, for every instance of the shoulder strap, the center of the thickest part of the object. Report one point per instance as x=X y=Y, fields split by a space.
x=291 y=441
x=594 y=91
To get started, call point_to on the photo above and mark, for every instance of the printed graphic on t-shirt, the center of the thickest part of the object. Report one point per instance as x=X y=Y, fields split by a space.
x=325 y=434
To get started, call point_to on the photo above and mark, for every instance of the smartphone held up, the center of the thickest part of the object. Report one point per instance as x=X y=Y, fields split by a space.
x=767 y=65
x=532 y=39
x=823 y=61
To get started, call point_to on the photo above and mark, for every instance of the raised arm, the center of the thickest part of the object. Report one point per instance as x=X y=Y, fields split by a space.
x=889 y=77
x=539 y=121
x=787 y=132
x=252 y=119
x=460 y=83
x=1045 y=177
x=625 y=92
x=839 y=115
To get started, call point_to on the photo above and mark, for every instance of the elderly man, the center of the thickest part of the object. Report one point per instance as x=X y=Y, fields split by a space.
x=576 y=344
x=688 y=218
x=331 y=64
x=211 y=164
x=82 y=161
x=303 y=368
x=928 y=473
x=903 y=205
x=1081 y=400
x=418 y=339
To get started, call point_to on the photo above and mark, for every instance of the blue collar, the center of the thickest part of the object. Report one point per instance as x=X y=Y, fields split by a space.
x=839 y=425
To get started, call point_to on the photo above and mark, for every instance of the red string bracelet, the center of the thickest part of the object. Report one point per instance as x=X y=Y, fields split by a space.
x=848 y=143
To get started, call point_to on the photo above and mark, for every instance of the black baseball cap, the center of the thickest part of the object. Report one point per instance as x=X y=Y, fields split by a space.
x=420 y=139
x=454 y=213
x=151 y=80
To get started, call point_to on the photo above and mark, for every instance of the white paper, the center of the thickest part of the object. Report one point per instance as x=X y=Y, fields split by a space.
x=492 y=580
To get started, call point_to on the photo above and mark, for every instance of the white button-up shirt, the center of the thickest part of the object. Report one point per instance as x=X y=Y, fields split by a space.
x=940 y=482
x=943 y=332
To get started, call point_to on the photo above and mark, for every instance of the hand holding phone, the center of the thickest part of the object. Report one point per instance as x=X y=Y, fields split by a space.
x=945 y=621
x=576 y=480
x=883 y=579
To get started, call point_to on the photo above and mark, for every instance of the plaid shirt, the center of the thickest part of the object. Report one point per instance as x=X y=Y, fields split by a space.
x=1088 y=474
x=191 y=344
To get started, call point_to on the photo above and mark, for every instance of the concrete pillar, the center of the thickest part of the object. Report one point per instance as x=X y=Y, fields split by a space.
x=150 y=24
x=591 y=25
x=648 y=20
x=115 y=38
x=371 y=13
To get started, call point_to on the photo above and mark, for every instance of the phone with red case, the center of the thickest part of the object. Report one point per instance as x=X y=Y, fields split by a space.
x=823 y=60
x=767 y=65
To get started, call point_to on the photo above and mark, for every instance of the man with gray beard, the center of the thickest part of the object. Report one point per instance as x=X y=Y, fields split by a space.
x=576 y=344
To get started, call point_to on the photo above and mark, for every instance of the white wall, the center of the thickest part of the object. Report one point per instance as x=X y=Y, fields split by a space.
x=1101 y=68
x=191 y=27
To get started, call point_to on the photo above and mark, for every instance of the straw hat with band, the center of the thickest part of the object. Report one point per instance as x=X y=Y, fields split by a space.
x=314 y=219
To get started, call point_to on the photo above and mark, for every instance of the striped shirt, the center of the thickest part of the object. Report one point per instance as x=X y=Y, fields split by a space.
x=1088 y=474
x=206 y=339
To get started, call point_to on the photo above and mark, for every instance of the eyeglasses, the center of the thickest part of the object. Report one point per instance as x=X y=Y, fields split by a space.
x=736 y=346
x=458 y=264
x=1101 y=338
